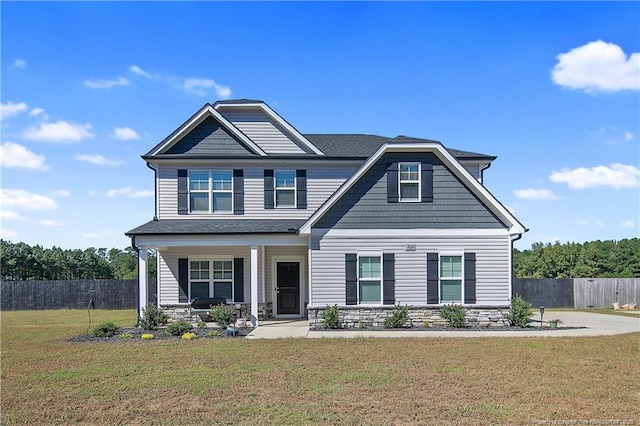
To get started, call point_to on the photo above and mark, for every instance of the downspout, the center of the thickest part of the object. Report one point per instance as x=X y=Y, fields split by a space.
x=137 y=250
x=155 y=190
x=482 y=177
x=513 y=274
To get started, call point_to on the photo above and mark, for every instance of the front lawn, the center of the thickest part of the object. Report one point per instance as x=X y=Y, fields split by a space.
x=46 y=380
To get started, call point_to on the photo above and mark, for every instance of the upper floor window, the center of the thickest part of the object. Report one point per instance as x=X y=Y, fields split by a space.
x=211 y=191
x=409 y=181
x=285 y=188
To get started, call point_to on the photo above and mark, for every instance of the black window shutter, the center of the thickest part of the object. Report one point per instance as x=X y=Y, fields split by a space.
x=183 y=192
x=238 y=279
x=238 y=191
x=388 y=279
x=427 y=182
x=432 y=279
x=183 y=280
x=268 y=189
x=392 y=183
x=301 y=189
x=351 y=272
x=470 y=278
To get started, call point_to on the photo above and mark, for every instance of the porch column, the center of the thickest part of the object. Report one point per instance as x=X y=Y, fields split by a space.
x=254 y=285
x=142 y=279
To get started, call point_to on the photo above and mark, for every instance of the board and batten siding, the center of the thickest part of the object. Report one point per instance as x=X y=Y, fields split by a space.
x=322 y=182
x=492 y=265
x=260 y=129
x=168 y=292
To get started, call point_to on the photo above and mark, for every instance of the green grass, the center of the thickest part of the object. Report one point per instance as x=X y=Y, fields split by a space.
x=307 y=381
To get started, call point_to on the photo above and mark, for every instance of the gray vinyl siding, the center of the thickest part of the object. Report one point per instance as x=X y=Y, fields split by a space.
x=365 y=205
x=322 y=182
x=492 y=266
x=209 y=138
x=168 y=269
x=262 y=131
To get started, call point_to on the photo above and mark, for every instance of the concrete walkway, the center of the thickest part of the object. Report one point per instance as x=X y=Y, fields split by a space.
x=595 y=325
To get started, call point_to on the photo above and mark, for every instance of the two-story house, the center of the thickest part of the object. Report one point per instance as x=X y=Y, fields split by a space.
x=250 y=210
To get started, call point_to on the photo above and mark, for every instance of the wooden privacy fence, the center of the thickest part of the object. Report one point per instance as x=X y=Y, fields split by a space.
x=71 y=294
x=577 y=292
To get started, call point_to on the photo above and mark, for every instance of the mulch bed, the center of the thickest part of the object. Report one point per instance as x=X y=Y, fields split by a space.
x=160 y=334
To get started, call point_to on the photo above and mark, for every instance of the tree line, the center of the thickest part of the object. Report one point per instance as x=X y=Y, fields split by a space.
x=20 y=261
x=595 y=259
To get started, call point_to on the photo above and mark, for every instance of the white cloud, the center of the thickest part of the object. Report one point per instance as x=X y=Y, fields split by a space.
x=49 y=223
x=535 y=194
x=199 y=86
x=11 y=215
x=24 y=200
x=91 y=235
x=38 y=112
x=125 y=133
x=106 y=84
x=139 y=71
x=627 y=224
x=60 y=131
x=60 y=193
x=617 y=176
x=11 y=109
x=141 y=194
x=7 y=233
x=129 y=192
x=628 y=136
x=16 y=156
x=597 y=66
x=19 y=64
x=98 y=159
x=93 y=193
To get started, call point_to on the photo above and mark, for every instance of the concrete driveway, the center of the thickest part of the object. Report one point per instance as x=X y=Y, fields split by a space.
x=595 y=325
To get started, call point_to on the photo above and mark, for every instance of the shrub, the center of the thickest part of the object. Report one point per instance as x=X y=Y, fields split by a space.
x=520 y=312
x=189 y=336
x=214 y=333
x=126 y=336
x=331 y=317
x=202 y=325
x=105 y=329
x=147 y=336
x=152 y=317
x=178 y=328
x=223 y=315
x=454 y=314
x=398 y=317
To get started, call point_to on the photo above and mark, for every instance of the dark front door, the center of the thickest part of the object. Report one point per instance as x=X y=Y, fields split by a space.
x=288 y=287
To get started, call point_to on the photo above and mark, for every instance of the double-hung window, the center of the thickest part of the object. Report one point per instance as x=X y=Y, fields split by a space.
x=450 y=279
x=285 y=188
x=199 y=278
x=409 y=182
x=223 y=279
x=211 y=278
x=369 y=279
x=211 y=191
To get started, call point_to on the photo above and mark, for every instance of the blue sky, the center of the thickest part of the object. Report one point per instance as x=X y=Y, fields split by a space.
x=552 y=89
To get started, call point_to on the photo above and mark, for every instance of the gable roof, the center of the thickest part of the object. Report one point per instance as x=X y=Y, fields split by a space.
x=515 y=227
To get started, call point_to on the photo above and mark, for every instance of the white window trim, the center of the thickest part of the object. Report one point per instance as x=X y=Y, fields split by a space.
x=210 y=191
x=418 y=181
x=369 y=253
x=211 y=281
x=275 y=189
x=451 y=253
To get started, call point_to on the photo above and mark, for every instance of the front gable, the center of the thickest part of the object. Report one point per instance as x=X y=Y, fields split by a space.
x=210 y=138
x=448 y=205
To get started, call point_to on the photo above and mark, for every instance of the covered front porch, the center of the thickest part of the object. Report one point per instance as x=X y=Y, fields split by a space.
x=264 y=275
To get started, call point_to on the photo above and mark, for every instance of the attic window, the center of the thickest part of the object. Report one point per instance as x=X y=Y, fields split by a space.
x=409 y=182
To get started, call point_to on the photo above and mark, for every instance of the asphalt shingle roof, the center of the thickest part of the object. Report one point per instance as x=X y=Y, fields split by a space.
x=217 y=226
